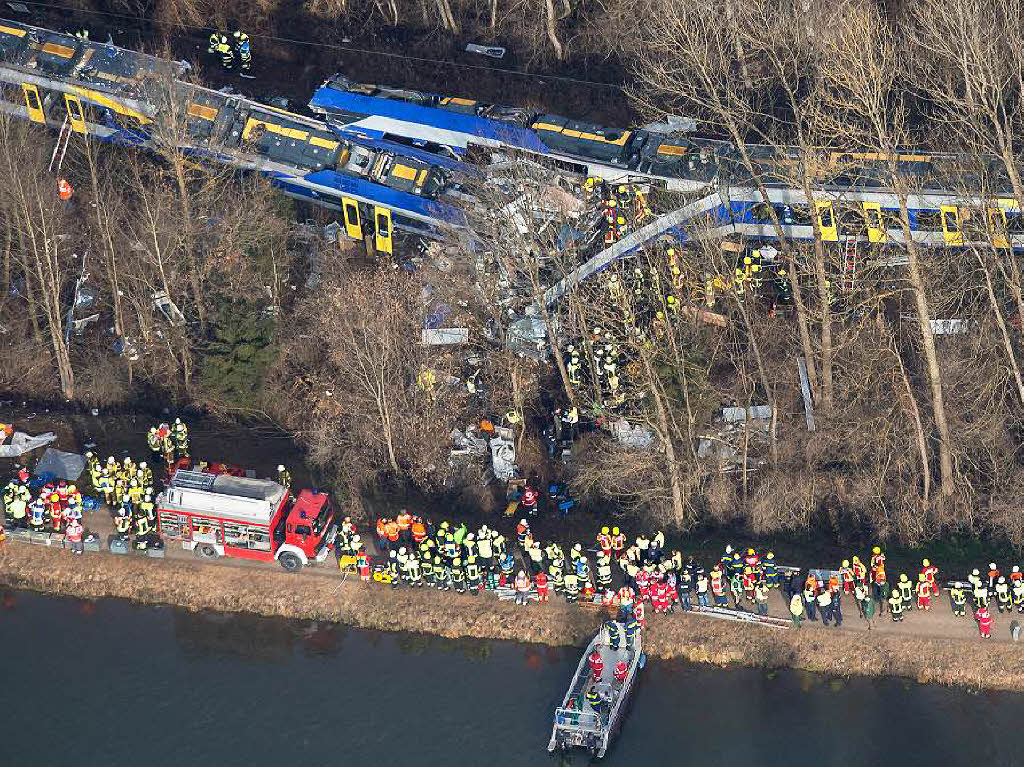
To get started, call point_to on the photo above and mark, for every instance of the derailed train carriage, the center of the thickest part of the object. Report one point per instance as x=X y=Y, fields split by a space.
x=77 y=86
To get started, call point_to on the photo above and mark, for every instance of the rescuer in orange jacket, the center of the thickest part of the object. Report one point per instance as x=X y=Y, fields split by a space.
x=391 y=530
x=419 y=531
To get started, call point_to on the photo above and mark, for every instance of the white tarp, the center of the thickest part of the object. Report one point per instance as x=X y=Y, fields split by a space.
x=22 y=443
x=631 y=435
x=757 y=412
x=61 y=465
x=503 y=457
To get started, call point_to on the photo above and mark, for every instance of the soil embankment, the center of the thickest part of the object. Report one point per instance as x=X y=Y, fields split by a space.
x=319 y=595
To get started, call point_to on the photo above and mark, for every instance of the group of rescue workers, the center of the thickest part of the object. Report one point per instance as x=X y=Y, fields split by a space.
x=126 y=487
x=623 y=206
x=634 y=575
x=57 y=506
x=228 y=48
x=612 y=571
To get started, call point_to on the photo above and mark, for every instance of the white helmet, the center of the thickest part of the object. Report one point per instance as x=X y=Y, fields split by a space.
x=991 y=565
x=522 y=521
x=728 y=549
x=177 y=420
x=142 y=464
x=401 y=550
x=356 y=540
x=280 y=467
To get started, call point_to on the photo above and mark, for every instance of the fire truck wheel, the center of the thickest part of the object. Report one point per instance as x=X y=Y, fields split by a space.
x=290 y=562
x=206 y=551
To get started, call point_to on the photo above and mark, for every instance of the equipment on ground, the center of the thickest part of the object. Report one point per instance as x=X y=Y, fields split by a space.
x=223 y=515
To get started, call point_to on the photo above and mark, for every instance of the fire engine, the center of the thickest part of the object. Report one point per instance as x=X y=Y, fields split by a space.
x=223 y=515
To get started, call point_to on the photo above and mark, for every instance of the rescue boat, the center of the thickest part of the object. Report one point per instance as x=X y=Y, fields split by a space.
x=577 y=723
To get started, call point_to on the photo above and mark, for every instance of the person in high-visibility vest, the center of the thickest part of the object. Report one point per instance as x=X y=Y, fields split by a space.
x=73 y=535
x=64 y=190
x=243 y=49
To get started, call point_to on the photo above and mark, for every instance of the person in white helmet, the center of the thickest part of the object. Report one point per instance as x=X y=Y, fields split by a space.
x=284 y=477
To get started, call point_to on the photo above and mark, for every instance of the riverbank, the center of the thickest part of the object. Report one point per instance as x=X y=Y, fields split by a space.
x=321 y=595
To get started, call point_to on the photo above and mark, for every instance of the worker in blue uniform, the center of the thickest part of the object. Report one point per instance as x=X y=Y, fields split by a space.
x=243 y=49
x=614 y=634
x=771 y=570
x=632 y=629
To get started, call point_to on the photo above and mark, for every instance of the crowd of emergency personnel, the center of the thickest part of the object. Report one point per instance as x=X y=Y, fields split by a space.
x=638 y=574
x=125 y=486
x=631 y=574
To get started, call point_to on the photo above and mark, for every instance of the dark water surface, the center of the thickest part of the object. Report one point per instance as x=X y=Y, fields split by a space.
x=110 y=683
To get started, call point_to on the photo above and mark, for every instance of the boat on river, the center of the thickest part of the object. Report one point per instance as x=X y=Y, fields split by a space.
x=580 y=724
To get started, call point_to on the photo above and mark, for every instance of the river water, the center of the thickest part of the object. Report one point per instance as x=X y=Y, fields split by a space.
x=109 y=683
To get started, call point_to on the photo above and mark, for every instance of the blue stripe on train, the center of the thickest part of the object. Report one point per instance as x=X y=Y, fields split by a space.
x=442 y=119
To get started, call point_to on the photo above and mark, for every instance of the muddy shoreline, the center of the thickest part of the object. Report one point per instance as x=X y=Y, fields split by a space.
x=320 y=595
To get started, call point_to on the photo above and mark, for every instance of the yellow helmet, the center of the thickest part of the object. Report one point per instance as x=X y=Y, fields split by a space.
x=604 y=531
x=876 y=550
x=615 y=531
x=925 y=563
x=846 y=563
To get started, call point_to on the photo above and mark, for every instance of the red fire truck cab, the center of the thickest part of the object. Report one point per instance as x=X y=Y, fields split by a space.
x=224 y=515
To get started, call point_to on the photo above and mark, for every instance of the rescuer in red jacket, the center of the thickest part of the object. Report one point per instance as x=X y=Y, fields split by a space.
x=984 y=618
x=541 y=582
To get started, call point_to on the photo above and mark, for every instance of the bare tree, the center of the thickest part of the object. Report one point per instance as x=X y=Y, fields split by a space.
x=868 y=109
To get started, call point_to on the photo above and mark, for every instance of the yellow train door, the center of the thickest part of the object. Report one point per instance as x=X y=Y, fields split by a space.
x=826 y=221
x=383 y=230
x=951 y=231
x=75 y=113
x=997 y=227
x=33 y=104
x=873 y=219
x=353 y=227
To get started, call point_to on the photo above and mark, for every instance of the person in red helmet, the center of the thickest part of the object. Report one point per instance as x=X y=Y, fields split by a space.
x=621 y=670
x=541 y=582
x=529 y=500
x=596 y=665
x=984 y=618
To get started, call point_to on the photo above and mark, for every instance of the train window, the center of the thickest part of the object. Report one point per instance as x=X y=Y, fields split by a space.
x=825 y=217
x=851 y=222
x=892 y=218
x=873 y=218
x=950 y=221
x=928 y=221
x=761 y=213
x=33 y=99
x=1015 y=223
x=800 y=215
